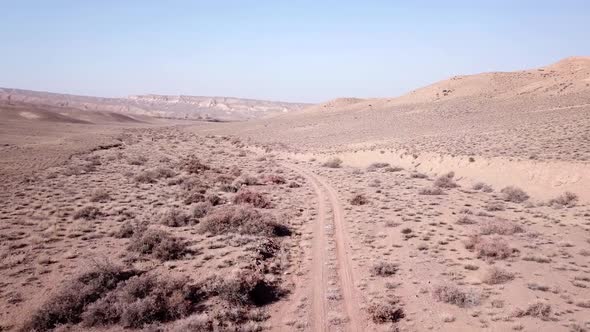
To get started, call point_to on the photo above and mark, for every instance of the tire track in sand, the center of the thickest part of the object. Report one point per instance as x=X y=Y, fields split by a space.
x=321 y=257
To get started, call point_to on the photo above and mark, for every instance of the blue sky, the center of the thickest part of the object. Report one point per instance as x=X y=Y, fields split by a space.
x=283 y=50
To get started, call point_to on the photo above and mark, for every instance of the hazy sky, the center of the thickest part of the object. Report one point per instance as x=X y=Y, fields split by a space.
x=283 y=50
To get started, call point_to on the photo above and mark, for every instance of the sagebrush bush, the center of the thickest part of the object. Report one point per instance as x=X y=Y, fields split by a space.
x=201 y=209
x=452 y=294
x=159 y=244
x=500 y=227
x=142 y=300
x=242 y=220
x=446 y=181
x=568 y=199
x=245 y=287
x=88 y=213
x=431 y=191
x=493 y=247
x=333 y=163
x=174 y=218
x=100 y=195
x=386 y=311
x=483 y=187
x=538 y=309
x=359 y=199
x=514 y=194
x=376 y=165
x=274 y=178
x=68 y=304
x=384 y=269
x=496 y=275
x=193 y=165
x=256 y=199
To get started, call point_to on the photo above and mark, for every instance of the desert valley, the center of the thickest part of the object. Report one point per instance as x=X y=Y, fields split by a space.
x=459 y=206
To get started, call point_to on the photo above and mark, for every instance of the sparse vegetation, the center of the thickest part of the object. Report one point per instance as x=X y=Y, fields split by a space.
x=384 y=269
x=386 y=311
x=490 y=247
x=496 y=275
x=431 y=191
x=88 y=213
x=537 y=309
x=256 y=199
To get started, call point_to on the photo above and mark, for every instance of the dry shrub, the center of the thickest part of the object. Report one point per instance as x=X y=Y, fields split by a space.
x=418 y=175
x=384 y=269
x=431 y=191
x=201 y=209
x=137 y=160
x=245 y=287
x=247 y=180
x=392 y=169
x=446 y=181
x=194 y=196
x=538 y=309
x=387 y=311
x=142 y=300
x=274 y=178
x=149 y=176
x=452 y=294
x=100 y=195
x=375 y=166
x=158 y=244
x=500 y=227
x=494 y=206
x=242 y=220
x=127 y=230
x=194 y=166
x=67 y=305
x=493 y=247
x=88 y=213
x=496 y=275
x=164 y=172
x=294 y=184
x=333 y=163
x=514 y=194
x=174 y=218
x=568 y=199
x=359 y=199
x=486 y=188
x=465 y=220
x=215 y=199
x=256 y=199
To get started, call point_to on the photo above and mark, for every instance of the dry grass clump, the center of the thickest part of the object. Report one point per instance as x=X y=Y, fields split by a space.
x=514 y=194
x=194 y=166
x=68 y=304
x=100 y=195
x=486 y=188
x=496 y=275
x=386 y=311
x=567 y=199
x=431 y=191
x=452 y=294
x=245 y=287
x=493 y=247
x=538 y=309
x=333 y=163
x=359 y=199
x=384 y=269
x=242 y=220
x=174 y=218
x=159 y=244
x=500 y=227
x=256 y=199
x=143 y=300
x=88 y=213
x=446 y=181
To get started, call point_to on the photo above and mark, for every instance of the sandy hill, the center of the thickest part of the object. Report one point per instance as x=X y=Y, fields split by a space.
x=177 y=107
x=562 y=83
